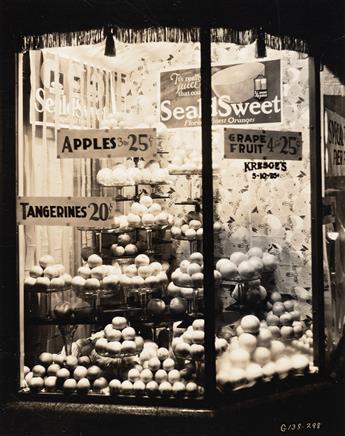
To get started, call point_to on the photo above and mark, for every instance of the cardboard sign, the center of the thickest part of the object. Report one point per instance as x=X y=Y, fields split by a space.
x=262 y=144
x=94 y=143
x=94 y=212
x=334 y=135
x=242 y=94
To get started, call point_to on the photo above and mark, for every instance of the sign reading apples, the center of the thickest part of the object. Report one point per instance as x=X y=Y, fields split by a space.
x=90 y=212
x=92 y=143
x=262 y=144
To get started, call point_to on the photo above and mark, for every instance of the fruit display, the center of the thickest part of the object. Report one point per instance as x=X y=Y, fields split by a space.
x=152 y=371
x=140 y=273
x=246 y=266
x=143 y=214
x=257 y=353
x=128 y=174
x=47 y=276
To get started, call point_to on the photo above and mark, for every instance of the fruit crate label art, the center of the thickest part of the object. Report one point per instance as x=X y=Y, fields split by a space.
x=88 y=212
x=112 y=143
x=242 y=94
x=262 y=144
x=334 y=137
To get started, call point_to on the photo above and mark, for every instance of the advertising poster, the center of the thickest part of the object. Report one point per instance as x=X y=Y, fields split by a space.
x=242 y=94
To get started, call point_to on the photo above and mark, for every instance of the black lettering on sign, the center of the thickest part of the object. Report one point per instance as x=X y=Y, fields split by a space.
x=67 y=145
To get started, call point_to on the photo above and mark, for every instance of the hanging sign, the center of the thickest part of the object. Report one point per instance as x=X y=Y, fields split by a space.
x=334 y=136
x=242 y=94
x=262 y=144
x=95 y=143
x=93 y=212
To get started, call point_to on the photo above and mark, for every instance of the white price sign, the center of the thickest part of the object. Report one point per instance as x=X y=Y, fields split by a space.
x=97 y=143
x=93 y=212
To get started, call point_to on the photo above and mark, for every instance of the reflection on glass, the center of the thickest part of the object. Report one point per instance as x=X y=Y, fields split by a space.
x=263 y=252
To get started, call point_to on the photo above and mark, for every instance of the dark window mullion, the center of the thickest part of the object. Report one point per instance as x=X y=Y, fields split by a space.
x=207 y=208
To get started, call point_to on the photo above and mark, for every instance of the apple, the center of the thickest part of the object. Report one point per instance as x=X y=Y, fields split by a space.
x=84 y=271
x=247 y=341
x=92 y=285
x=71 y=362
x=192 y=389
x=165 y=389
x=246 y=270
x=238 y=257
x=142 y=260
x=94 y=260
x=39 y=371
x=152 y=388
x=124 y=239
x=138 y=209
x=250 y=324
x=94 y=372
x=46 y=260
x=146 y=201
x=269 y=261
x=183 y=279
x=80 y=372
x=162 y=353
x=50 y=383
x=131 y=250
x=178 y=305
x=36 y=384
x=101 y=345
x=255 y=252
x=257 y=264
x=197 y=352
x=156 y=306
x=227 y=269
x=69 y=386
x=29 y=283
x=57 y=283
x=128 y=333
x=275 y=297
x=128 y=347
x=196 y=257
x=239 y=358
x=278 y=308
x=83 y=386
x=46 y=359
x=42 y=283
x=99 y=384
x=51 y=272
x=161 y=219
x=59 y=359
x=36 y=271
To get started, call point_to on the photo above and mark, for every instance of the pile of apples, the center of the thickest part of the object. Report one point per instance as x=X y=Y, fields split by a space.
x=144 y=273
x=144 y=213
x=190 y=227
x=255 y=354
x=94 y=275
x=189 y=274
x=124 y=246
x=283 y=318
x=129 y=174
x=246 y=266
x=47 y=276
x=117 y=339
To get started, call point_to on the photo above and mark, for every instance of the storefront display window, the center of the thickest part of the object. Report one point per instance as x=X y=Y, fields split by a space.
x=115 y=255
